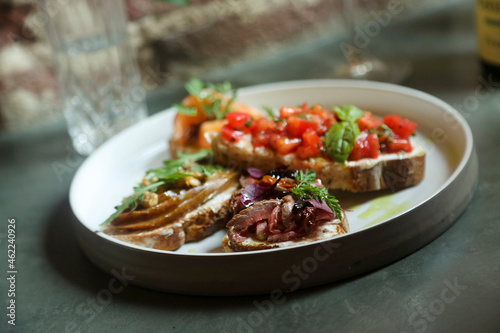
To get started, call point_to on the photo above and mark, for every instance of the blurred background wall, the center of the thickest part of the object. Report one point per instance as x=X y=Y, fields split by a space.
x=172 y=44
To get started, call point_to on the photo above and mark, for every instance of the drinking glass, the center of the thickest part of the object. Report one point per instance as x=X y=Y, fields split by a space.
x=360 y=64
x=99 y=80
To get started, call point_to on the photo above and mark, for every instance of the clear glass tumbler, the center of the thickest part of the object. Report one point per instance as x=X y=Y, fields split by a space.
x=99 y=79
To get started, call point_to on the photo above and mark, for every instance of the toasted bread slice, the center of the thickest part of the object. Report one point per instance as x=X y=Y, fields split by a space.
x=324 y=231
x=388 y=171
x=197 y=224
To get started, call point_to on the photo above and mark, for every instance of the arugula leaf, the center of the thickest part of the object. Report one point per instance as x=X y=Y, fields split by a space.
x=340 y=140
x=173 y=166
x=349 y=113
x=131 y=201
x=307 y=189
x=207 y=170
x=169 y=173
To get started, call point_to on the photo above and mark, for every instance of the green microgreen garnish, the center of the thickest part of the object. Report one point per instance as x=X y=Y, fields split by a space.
x=307 y=189
x=210 y=97
x=172 y=170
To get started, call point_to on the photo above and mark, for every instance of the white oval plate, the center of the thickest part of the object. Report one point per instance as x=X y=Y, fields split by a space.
x=385 y=225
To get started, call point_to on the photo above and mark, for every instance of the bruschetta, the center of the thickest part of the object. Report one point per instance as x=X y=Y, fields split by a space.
x=349 y=149
x=282 y=208
x=181 y=202
x=202 y=114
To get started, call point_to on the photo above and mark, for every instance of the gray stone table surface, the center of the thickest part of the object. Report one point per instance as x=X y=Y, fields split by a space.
x=450 y=285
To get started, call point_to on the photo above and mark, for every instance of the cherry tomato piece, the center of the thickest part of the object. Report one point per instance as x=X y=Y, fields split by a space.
x=396 y=145
x=366 y=146
x=368 y=121
x=239 y=121
x=263 y=124
x=287 y=111
x=230 y=134
x=311 y=145
x=284 y=145
x=261 y=139
x=402 y=127
x=297 y=126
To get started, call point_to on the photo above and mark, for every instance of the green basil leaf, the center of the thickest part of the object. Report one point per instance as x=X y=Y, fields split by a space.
x=340 y=140
x=349 y=113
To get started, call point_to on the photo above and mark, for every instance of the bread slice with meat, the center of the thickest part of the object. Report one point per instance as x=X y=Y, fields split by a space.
x=325 y=230
x=388 y=171
x=196 y=224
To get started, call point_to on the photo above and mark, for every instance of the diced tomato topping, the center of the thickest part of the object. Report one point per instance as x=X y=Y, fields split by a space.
x=263 y=124
x=287 y=111
x=366 y=146
x=368 y=121
x=230 y=134
x=321 y=112
x=284 y=145
x=311 y=145
x=402 y=127
x=395 y=145
x=239 y=121
x=262 y=139
x=297 y=126
x=301 y=129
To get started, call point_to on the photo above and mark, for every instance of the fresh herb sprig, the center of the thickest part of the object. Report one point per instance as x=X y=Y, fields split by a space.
x=341 y=137
x=269 y=111
x=133 y=200
x=307 y=189
x=172 y=170
x=173 y=166
x=209 y=96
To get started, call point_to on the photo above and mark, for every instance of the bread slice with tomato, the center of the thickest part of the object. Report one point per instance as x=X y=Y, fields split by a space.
x=201 y=115
x=349 y=149
x=282 y=208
